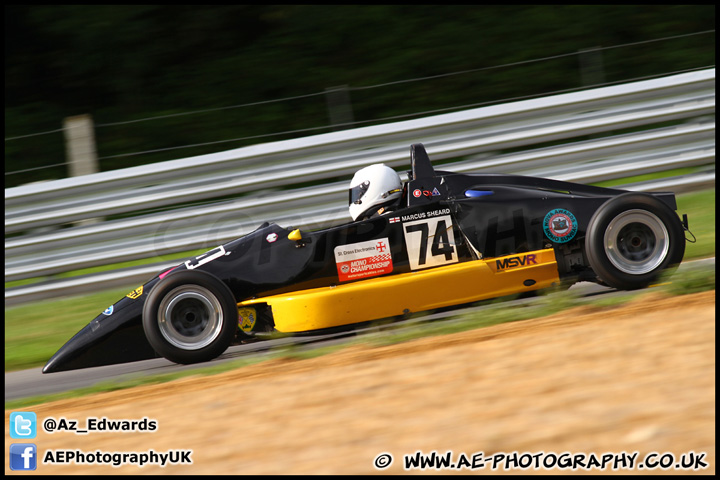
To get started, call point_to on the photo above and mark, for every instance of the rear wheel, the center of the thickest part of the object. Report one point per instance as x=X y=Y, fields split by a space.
x=190 y=316
x=631 y=239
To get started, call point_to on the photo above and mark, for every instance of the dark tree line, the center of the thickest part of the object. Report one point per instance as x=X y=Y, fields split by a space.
x=127 y=63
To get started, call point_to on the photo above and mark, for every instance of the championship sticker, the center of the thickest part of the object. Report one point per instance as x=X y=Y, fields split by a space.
x=363 y=260
x=560 y=225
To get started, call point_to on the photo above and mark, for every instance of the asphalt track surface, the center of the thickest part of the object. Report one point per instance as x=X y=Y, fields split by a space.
x=32 y=382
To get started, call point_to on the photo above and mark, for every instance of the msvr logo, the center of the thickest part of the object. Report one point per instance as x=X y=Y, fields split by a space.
x=515 y=262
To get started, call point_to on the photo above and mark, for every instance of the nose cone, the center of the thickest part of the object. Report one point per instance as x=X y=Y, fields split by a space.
x=106 y=340
x=56 y=362
x=72 y=354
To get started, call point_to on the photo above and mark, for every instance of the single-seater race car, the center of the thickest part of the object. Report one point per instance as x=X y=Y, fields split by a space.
x=454 y=239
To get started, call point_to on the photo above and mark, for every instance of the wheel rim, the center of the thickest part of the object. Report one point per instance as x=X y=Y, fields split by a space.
x=636 y=242
x=190 y=317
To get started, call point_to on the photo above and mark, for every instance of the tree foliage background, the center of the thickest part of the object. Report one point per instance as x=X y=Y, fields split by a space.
x=166 y=82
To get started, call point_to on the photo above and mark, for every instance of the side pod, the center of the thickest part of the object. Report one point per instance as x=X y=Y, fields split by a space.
x=329 y=307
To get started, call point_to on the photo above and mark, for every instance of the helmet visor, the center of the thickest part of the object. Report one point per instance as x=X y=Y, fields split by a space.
x=356 y=193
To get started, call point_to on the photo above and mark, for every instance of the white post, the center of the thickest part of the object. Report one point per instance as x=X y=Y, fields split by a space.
x=80 y=145
x=80 y=151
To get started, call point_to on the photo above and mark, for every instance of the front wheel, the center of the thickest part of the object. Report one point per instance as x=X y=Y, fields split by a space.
x=631 y=239
x=190 y=316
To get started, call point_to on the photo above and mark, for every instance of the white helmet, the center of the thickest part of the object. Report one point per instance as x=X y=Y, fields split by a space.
x=371 y=188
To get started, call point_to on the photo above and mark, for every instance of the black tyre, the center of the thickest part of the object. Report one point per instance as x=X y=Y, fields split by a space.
x=190 y=316
x=631 y=239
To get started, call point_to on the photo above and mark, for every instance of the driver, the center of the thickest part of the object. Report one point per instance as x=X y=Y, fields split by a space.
x=374 y=190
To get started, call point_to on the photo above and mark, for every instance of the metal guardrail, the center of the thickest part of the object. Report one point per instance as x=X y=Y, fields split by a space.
x=670 y=120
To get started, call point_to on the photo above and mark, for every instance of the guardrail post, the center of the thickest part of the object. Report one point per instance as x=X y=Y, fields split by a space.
x=80 y=150
x=80 y=145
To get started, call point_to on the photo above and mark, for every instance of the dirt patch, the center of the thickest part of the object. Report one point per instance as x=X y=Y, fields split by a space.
x=639 y=378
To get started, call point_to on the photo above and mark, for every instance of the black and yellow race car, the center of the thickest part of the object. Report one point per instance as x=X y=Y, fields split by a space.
x=454 y=239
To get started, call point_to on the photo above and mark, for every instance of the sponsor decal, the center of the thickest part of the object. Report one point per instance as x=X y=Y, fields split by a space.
x=246 y=318
x=417 y=193
x=363 y=259
x=512 y=262
x=135 y=293
x=560 y=225
x=272 y=238
x=109 y=311
x=430 y=240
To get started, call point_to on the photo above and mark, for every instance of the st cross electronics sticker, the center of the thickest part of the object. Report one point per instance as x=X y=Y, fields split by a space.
x=363 y=260
x=560 y=225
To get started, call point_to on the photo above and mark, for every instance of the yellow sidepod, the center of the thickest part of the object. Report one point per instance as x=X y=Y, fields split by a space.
x=417 y=291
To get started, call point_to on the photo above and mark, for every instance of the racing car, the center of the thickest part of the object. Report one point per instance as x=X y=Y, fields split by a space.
x=453 y=239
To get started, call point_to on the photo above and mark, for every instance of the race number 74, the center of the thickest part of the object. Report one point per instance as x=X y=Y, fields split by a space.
x=430 y=242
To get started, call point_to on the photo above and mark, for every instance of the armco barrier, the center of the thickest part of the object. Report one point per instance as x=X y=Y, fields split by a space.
x=599 y=134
